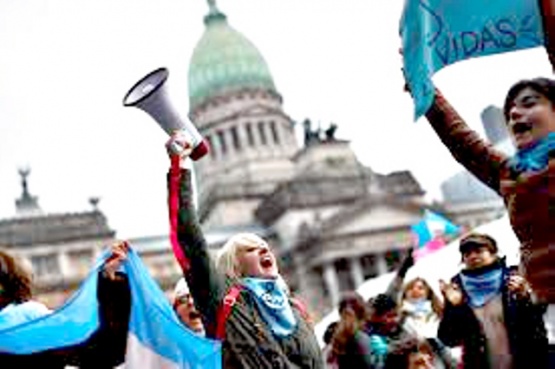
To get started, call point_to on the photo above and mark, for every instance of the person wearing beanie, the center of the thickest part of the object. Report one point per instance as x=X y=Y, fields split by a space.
x=184 y=306
x=489 y=311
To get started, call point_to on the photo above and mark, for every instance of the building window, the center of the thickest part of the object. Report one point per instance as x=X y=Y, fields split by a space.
x=368 y=263
x=250 y=134
x=45 y=265
x=221 y=140
x=262 y=131
x=81 y=261
x=235 y=139
x=343 y=271
x=275 y=135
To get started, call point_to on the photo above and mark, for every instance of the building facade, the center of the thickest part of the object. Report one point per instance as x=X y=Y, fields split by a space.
x=332 y=221
x=59 y=249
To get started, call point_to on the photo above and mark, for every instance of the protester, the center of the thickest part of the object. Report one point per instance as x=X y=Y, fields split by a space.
x=522 y=180
x=260 y=324
x=104 y=349
x=421 y=308
x=327 y=352
x=184 y=306
x=395 y=346
x=387 y=336
x=489 y=311
x=351 y=343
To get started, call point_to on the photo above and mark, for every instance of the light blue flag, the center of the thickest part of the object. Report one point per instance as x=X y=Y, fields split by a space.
x=156 y=338
x=431 y=226
x=437 y=33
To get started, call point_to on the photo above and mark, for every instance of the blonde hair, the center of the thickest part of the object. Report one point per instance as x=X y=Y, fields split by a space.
x=226 y=259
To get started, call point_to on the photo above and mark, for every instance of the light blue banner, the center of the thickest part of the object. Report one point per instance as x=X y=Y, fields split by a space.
x=437 y=33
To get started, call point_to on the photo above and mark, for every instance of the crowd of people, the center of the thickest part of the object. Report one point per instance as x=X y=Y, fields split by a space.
x=485 y=318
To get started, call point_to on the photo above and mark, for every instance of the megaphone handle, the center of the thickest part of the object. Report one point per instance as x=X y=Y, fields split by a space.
x=176 y=148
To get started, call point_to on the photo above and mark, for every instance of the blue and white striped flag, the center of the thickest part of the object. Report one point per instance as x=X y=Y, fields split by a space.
x=156 y=338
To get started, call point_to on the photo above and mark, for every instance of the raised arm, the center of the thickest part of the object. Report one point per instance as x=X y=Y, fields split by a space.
x=548 y=13
x=478 y=157
x=395 y=288
x=203 y=280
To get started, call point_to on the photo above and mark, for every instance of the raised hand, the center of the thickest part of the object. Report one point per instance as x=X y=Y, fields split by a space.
x=119 y=255
x=519 y=286
x=451 y=292
x=179 y=144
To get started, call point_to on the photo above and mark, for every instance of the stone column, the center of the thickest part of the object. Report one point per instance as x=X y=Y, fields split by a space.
x=332 y=283
x=243 y=139
x=216 y=146
x=381 y=264
x=64 y=265
x=356 y=271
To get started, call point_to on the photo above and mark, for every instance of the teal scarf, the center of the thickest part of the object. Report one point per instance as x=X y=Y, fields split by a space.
x=273 y=303
x=535 y=157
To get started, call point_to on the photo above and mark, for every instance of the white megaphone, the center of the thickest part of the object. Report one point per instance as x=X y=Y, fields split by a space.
x=149 y=95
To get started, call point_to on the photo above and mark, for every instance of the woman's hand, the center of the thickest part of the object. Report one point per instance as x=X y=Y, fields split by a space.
x=179 y=144
x=451 y=292
x=119 y=255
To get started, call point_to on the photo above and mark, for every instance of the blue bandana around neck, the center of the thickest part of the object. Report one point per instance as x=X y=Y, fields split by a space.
x=535 y=157
x=418 y=306
x=273 y=303
x=482 y=288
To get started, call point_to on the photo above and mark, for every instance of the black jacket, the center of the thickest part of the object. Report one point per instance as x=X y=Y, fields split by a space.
x=105 y=349
x=523 y=321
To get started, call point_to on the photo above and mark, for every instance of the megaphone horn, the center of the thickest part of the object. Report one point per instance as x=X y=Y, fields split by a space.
x=149 y=95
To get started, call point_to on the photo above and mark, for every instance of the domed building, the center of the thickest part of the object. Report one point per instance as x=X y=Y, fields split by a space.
x=236 y=106
x=332 y=222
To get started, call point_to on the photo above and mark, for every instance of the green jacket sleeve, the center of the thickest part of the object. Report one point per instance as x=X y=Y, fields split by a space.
x=206 y=285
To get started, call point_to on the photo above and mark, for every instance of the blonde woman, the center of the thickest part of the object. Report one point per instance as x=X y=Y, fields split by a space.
x=243 y=300
x=421 y=308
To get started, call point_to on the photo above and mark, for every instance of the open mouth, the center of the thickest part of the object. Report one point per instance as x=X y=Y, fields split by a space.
x=194 y=315
x=521 y=127
x=266 y=262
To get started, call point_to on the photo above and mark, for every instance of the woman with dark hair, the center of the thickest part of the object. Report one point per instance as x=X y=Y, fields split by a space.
x=16 y=291
x=525 y=180
x=104 y=349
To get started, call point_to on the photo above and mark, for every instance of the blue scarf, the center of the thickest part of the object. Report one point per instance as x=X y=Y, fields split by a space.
x=483 y=286
x=273 y=304
x=535 y=157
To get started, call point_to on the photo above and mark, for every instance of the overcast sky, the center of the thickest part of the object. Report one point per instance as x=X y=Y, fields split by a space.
x=65 y=66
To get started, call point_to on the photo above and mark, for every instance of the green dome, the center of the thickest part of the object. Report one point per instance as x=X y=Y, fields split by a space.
x=225 y=60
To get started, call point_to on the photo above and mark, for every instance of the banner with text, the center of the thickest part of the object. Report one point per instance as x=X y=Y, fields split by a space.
x=437 y=33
